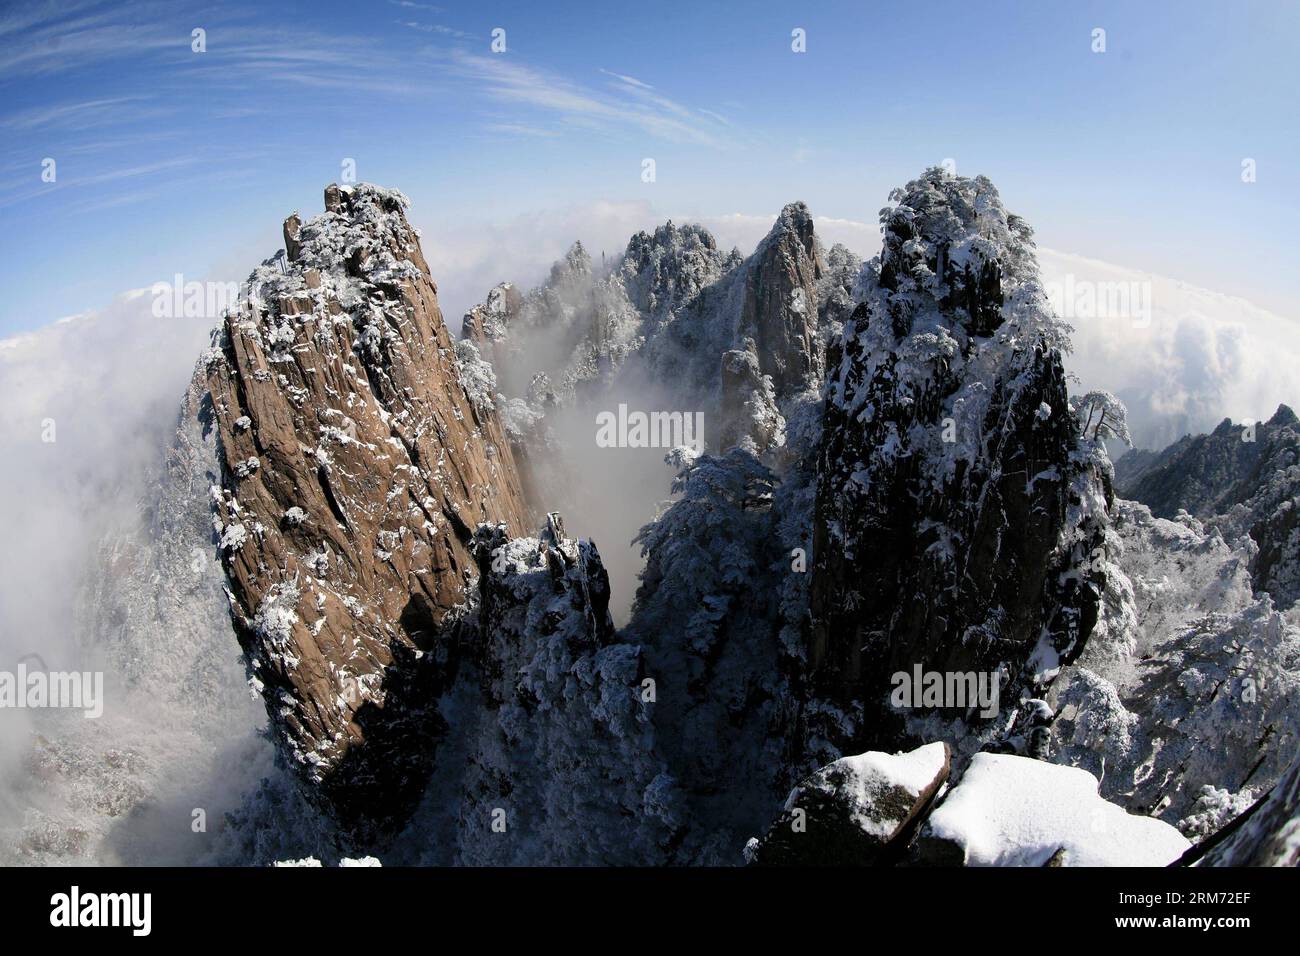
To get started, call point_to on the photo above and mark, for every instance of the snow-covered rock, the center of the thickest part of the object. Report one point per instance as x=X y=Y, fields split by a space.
x=736 y=337
x=859 y=810
x=1270 y=834
x=960 y=505
x=1013 y=811
x=554 y=758
x=311 y=861
x=1244 y=479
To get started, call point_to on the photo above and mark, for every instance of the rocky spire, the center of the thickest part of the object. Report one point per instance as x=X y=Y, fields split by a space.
x=780 y=304
x=356 y=467
x=956 y=511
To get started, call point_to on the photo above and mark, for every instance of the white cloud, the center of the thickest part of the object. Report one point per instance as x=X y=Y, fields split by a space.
x=111 y=382
x=75 y=116
x=1202 y=356
x=54 y=38
x=627 y=80
x=522 y=129
x=435 y=28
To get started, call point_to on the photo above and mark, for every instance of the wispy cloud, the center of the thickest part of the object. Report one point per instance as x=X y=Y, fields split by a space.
x=627 y=80
x=354 y=84
x=76 y=116
x=240 y=51
x=119 y=144
x=145 y=186
x=258 y=59
x=133 y=172
x=411 y=5
x=522 y=129
x=54 y=38
x=72 y=181
x=627 y=102
x=436 y=28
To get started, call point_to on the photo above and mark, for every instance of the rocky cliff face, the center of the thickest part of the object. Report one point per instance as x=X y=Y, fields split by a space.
x=1205 y=474
x=780 y=304
x=957 y=508
x=356 y=465
x=555 y=761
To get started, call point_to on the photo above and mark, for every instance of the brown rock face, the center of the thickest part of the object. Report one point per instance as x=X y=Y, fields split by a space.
x=489 y=322
x=356 y=467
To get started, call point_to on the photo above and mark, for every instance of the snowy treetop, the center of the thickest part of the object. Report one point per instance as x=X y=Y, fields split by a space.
x=965 y=214
x=952 y=307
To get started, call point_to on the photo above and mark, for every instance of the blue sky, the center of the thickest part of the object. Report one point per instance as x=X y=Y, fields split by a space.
x=173 y=161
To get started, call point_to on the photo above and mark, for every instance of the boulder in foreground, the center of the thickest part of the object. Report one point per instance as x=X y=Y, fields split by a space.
x=1014 y=811
x=857 y=811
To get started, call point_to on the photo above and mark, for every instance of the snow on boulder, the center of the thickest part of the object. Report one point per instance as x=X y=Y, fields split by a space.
x=855 y=811
x=1015 y=811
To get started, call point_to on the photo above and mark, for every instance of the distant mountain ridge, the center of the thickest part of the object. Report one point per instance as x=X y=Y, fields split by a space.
x=1241 y=478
